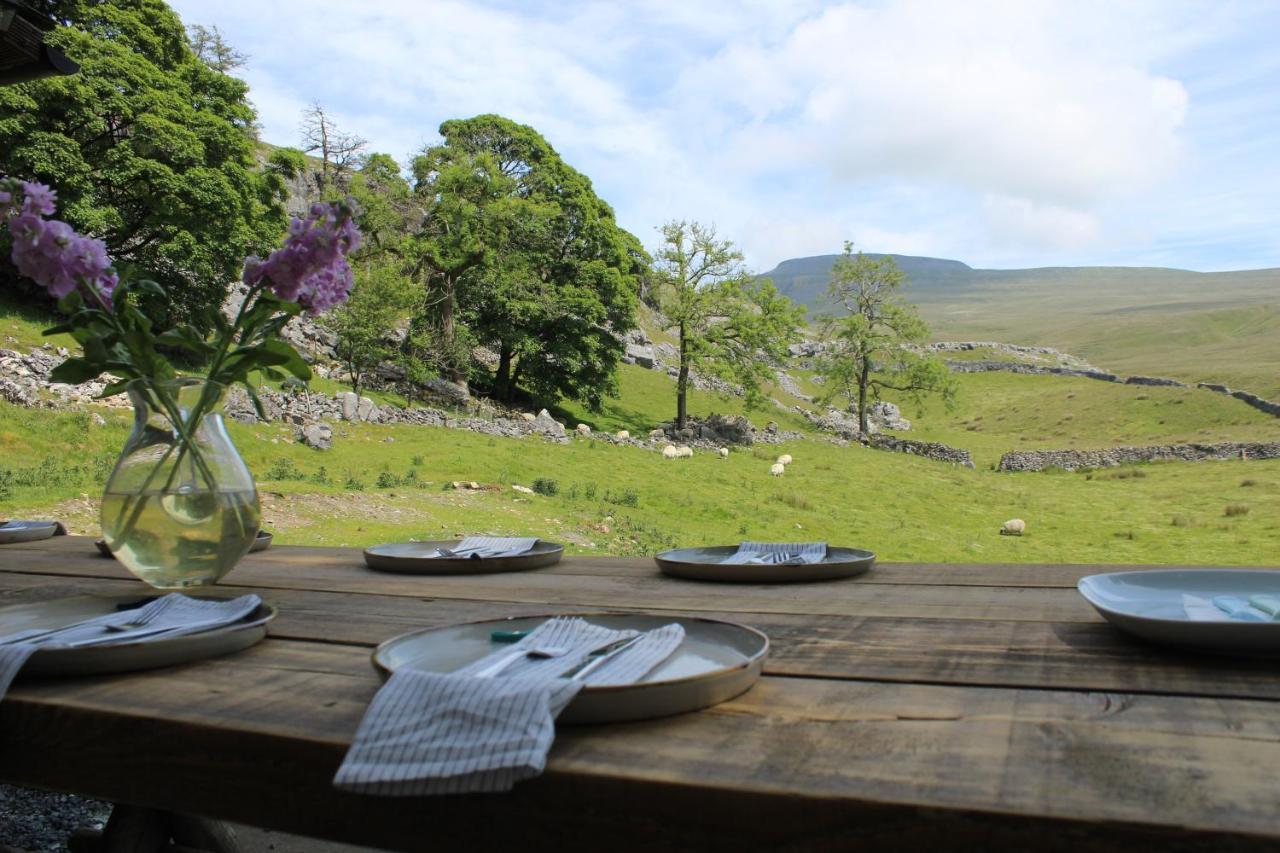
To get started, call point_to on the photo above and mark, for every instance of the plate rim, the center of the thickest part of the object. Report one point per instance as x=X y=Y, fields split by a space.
x=555 y=547
x=270 y=613
x=746 y=663
x=1255 y=627
x=663 y=555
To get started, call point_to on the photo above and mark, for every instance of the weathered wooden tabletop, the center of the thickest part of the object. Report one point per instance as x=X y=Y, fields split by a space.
x=979 y=707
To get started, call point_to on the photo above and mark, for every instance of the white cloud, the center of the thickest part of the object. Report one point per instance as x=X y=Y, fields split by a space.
x=982 y=130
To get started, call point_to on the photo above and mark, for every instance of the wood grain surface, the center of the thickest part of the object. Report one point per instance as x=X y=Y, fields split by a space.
x=947 y=706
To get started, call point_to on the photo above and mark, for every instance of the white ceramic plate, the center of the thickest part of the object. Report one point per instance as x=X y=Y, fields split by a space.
x=1149 y=605
x=28 y=531
x=418 y=558
x=261 y=542
x=716 y=662
x=126 y=656
x=707 y=564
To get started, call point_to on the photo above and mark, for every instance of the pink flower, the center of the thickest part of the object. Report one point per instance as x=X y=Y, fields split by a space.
x=50 y=252
x=38 y=198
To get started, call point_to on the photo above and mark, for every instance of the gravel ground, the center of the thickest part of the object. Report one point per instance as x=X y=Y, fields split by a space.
x=41 y=821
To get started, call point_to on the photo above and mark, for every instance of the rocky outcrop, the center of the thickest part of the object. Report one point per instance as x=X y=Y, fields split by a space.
x=1034 y=354
x=713 y=431
x=1075 y=460
x=312 y=340
x=984 y=366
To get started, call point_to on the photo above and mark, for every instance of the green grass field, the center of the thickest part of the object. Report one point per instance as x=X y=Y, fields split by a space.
x=623 y=500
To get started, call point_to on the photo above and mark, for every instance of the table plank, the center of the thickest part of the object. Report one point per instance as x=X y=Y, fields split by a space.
x=256 y=737
x=1066 y=655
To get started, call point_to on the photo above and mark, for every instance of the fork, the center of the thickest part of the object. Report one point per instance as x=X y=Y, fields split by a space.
x=536 y=652
x=139 y=617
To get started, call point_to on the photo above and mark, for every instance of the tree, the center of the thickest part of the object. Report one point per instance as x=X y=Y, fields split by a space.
x=339 y=151
x=364 y=323
x=149 y=149
x=209 y=46
x=870 y=348
x=517 y=244
x=729 y=324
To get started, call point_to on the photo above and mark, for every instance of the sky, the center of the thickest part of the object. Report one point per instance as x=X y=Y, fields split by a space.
x=1003 y=133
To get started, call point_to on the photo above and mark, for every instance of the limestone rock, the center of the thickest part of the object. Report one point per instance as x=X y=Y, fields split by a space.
x=524 y=490
x=317 y=435
x=453 y=393
x=641 y=355
x=548 y=425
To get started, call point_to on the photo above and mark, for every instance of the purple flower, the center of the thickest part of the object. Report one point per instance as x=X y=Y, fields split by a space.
x=49 y=251
x=311 y=268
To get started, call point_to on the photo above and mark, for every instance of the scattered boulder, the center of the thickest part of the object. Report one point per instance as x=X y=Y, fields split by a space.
x=452 y=393
x=350 y=405
x=657 y=433
x=318 y=435
x=524 y=490
x=548 y=425
x=640 y=355
x=887 y=415
x=623 y=435
x=582 y=430
x=367 y=411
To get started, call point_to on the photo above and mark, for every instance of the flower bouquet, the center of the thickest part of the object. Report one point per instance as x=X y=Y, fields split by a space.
x=180 y=508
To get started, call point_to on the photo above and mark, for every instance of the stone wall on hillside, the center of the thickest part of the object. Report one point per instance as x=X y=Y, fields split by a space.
x=1246 y=397
x=928 y=449
x=1036 y=354
x=1074 y=460
x=985 y=366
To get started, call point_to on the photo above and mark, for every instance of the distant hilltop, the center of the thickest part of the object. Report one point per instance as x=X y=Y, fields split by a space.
x=804 y=280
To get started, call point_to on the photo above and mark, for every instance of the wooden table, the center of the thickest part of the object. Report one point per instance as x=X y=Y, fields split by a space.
x=960 y=707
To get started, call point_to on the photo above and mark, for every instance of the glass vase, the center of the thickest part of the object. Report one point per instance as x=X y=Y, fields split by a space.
x=180 y=508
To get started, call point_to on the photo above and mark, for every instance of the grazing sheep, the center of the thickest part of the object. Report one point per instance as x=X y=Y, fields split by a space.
x=670 y=452
x=784 y=459
x=724 y=453
x=684 y=452
x=583 y=429
x=623 y=434
x=776 y=469
x=1013 y=527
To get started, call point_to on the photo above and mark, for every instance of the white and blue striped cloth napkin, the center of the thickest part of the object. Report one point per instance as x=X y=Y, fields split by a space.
x=480 y=547
x=778 y=553
x=454 y=733
x=172 y=615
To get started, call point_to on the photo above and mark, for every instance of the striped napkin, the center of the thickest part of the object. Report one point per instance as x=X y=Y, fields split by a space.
x=479 y=547
x=453 y=733
x=778 y=553
x=172 y=615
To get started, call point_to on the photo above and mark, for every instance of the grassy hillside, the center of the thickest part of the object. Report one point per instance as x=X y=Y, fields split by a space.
x=622 y=500
x=1193 y=326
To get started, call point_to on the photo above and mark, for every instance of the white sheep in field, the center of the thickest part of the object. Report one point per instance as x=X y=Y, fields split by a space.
x=670 y=452
x=784 y=459
x=724 y=453
x=583 y=429
x=623 y=434
x=684 y=452
x=777 y=468
x=1013 y=527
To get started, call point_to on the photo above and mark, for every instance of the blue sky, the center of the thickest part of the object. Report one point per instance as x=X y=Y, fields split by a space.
x=1004 y=134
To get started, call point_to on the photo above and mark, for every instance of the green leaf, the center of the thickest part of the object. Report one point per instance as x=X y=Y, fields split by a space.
x=75 y=371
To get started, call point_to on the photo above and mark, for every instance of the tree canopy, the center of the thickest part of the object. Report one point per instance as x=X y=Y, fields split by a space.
x=870 y=349
x=149 y=148
x=730 y=324
x=518 y=254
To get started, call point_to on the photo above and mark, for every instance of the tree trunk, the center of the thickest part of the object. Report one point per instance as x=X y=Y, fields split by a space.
x=502 y=382
x=448 y=332
x=864 y=378
x=682 y=386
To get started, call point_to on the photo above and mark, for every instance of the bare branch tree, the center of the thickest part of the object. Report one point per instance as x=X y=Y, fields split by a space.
x=209 y=46
x=339 y=151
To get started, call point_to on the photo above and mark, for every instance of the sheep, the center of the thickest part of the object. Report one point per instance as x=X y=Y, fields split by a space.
x=583 y=429
x=724 y=453
x=656 y=434
x=776 y=469
x=784 y=459
x=623 y=435
x=1013 y=527
x=684 y=452
x=670 y=452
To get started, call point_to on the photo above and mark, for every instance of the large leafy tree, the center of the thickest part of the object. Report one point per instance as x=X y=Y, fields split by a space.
x=519 y=244
x=729 y=324
x=148 y=147
x=871 y=348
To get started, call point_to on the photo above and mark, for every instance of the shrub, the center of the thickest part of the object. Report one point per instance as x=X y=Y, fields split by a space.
x=589 y=491
x=387 y=480
x=626 y=498
x=1244 y=484
x=418 y=461
x=285 y=468
x=545 y=486
x=795 y=500
x=321 y=477
x=353 y=483
x=1234 y=510
x=6 y=484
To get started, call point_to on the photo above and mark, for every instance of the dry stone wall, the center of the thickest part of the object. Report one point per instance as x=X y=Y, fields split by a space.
x=1075 y=460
